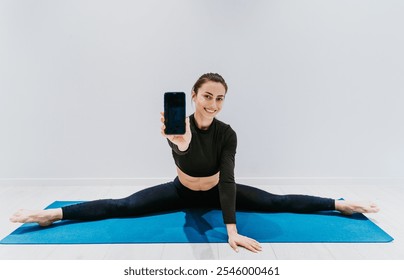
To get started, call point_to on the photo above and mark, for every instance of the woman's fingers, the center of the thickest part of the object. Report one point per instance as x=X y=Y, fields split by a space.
x=163 y=127
x=234 y=245
x=256 y=246
x=162 y=119
x=248 y=243
x=253 y=246
x=255 y=243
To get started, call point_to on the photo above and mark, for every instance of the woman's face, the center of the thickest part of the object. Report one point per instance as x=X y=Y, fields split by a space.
x=209 y=99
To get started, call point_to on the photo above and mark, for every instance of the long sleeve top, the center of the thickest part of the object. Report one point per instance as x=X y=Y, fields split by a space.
x=211 y=151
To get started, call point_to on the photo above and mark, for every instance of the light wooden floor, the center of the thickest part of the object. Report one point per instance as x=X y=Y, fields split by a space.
x=389 y=198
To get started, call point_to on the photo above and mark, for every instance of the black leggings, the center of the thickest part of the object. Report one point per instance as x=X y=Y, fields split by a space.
x=173 y=196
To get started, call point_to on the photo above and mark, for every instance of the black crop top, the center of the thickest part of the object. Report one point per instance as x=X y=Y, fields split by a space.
x=209 y=152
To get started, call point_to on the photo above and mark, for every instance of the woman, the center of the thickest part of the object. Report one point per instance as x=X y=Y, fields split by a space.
x=205 y=159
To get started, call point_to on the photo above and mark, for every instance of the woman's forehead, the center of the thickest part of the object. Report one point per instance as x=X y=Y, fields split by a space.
x=213 y=88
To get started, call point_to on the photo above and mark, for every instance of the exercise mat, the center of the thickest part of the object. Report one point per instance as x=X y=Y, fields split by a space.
x=203 y=226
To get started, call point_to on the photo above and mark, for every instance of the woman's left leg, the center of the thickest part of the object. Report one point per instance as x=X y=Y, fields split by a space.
x=254 y=199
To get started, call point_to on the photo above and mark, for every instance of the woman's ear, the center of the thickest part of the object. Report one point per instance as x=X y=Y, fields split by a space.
x=193 y=96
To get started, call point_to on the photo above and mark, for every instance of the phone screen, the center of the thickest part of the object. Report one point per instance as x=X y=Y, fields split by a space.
x=174 y=113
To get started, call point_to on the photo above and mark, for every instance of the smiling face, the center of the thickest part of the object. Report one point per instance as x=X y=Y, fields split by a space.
x=208 y=100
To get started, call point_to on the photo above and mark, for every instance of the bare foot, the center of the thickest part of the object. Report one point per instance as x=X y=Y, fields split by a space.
x=350 y=207
x=42 y=217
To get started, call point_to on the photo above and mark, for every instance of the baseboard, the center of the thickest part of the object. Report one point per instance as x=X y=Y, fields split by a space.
x=342 y=181
x=259 y=181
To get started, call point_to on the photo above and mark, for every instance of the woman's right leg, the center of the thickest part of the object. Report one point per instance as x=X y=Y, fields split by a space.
x=42 y=217
x=160 y=198
x=164 y=197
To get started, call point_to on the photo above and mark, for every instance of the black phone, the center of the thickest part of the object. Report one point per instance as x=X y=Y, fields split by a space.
x=174 y=113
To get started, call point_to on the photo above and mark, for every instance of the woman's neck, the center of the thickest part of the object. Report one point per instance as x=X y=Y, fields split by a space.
x=202 y=122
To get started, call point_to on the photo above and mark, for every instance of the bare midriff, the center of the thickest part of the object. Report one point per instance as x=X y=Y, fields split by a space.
x=198 y=183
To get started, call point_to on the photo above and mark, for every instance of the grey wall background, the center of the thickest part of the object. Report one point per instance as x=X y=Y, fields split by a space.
x=315 y=87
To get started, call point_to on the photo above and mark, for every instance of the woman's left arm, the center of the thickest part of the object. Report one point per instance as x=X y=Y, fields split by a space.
x=236 y=240
x=227 y=193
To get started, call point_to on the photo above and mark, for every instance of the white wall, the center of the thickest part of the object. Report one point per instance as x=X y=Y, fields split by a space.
x=315 y=87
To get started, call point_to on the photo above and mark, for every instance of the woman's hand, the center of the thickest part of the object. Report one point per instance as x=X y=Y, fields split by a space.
x=236 y=240
x=182 y=141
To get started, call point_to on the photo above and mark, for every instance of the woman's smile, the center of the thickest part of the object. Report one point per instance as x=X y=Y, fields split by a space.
x=210 y=111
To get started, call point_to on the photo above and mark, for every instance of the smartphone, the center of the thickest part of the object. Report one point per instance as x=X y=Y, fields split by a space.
x=174 y=113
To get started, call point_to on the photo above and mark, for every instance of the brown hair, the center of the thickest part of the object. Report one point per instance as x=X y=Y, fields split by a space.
x=209 y=77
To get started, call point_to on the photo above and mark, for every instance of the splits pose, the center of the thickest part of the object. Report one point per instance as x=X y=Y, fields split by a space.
x=205 y=160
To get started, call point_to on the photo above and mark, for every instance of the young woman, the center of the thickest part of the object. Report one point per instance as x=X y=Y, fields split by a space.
x=205 y=159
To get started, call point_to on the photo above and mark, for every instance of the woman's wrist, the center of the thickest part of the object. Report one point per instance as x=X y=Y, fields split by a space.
x=231 y=229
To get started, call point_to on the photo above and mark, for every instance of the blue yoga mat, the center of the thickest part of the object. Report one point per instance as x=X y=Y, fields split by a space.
x=203 y=226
